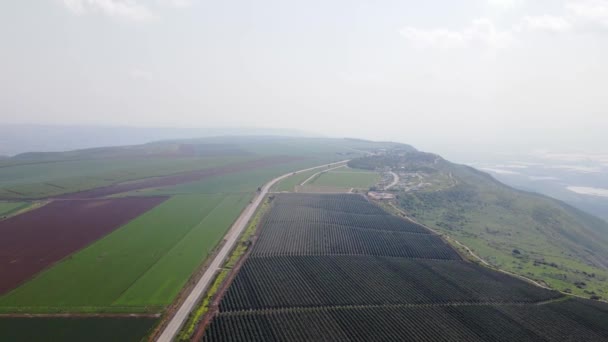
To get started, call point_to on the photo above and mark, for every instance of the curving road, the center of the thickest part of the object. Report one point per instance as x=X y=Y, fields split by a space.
x=395 y=180
x=177 y=321
x=313 y=176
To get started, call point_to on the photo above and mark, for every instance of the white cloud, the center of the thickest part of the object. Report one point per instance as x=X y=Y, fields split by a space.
x=500 y=171
x=127 y=9
x=589 y=191
x=481 y=32
x=548 y=23
x=593 y=12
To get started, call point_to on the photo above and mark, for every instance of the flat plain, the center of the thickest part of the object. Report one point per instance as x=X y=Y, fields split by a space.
x=345 y=178
x=140 y=267
x=39 y=238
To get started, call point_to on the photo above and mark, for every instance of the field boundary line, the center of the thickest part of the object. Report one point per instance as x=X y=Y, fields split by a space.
x=168 y=251
x=336 y=225
x=171 y=330
x=81 y=315
x=379 y=306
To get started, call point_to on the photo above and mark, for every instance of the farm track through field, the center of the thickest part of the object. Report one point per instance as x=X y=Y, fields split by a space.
x=389 y=306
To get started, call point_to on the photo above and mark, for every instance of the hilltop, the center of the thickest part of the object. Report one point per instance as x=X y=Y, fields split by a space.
x=522 y=232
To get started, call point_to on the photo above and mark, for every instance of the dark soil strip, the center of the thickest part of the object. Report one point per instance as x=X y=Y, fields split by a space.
x=33 y=241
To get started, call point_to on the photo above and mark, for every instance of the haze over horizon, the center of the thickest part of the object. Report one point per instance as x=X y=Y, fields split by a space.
x=479 y=76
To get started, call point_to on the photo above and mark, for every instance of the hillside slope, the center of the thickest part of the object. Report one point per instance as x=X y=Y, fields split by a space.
x=526 y=233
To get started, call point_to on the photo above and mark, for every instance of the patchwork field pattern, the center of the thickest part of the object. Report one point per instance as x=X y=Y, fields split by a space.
x=179 y=178
x=140 y=267
x=324 y=269
x=35 y=240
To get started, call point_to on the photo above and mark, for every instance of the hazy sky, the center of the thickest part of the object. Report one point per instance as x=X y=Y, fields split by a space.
x=438 y=74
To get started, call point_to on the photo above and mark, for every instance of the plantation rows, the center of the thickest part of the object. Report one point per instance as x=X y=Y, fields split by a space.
x=338 y=268
x=282 y=213
x=341 y=202
x=301 y=238
x=311 y=281
x=551 y=322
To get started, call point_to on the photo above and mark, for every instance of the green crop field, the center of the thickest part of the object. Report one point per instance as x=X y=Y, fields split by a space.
x=142 y=266
x=345 y=179
x=237 y=182
x=91 y=329
x=289 y=183
x=51 y=179
x=10 y=207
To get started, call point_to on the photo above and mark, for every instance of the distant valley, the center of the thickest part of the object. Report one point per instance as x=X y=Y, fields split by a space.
x=575 y=178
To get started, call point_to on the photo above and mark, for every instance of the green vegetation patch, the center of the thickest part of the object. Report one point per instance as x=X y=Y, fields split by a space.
x=36 y=180
x=139 y=267
x=7 y=208
x=91 y=329
x=341 y=179
x=289 y=183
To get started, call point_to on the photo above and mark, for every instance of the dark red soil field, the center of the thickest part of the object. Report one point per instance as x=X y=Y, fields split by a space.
x=37 y=239
x=178 y=178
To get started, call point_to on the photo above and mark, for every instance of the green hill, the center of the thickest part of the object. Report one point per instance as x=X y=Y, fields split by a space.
x=525 y=233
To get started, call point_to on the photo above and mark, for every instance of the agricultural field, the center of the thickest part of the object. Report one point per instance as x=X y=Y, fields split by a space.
x=289 y=183
x=43 y=175
x=320 y=271
x=157 y=252
x=39 y=238
x=288 y=231
x=28 y=180
x=346 y=178
x=94 y=329
x=571 y=321
x=7 y=208
x=139 y=263
x=337 y=280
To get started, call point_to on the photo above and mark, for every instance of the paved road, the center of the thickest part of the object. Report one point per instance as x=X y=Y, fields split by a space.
x=231 y=238
x=313 y=176
x=395 y=181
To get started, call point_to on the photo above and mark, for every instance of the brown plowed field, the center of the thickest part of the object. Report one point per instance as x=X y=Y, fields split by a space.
x=32 y=241
x=178 y=178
